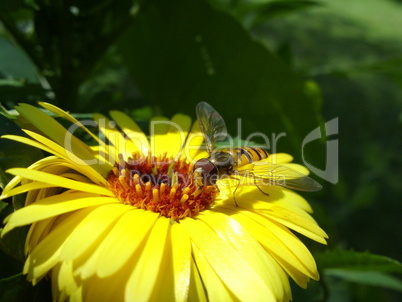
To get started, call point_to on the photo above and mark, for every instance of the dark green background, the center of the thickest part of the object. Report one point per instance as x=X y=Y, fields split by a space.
x=280 y=66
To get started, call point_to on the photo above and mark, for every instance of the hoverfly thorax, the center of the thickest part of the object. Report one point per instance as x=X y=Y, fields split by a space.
x=223 y=160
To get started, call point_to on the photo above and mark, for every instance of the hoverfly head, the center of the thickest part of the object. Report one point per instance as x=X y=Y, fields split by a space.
x=206 y=172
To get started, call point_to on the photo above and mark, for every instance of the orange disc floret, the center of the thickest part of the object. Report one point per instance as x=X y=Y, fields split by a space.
x=160 y=184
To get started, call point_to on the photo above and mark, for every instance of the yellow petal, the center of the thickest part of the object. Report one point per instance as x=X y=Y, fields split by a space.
x=158 y=129
x=105 y=289
x=164 y=288
x=66 y=281
x=37 y=232
x=105 y=154
x=215 y=288
x=25 y=188
x=233 y=232
x=99 y=221
x=75 y=296
x=32 y=143
x=251 y=198
x=169 y=135
x=181 y=253
x=297 y=222
x=101 y=150
x=50 y=164
x=285 y=247
x=124 y=239
x=193 y=150
x=64 y=114
x=227 y=262
x=35 y=195
x=11 y=184
x=59 y=181
x=87 y=168
x=280 y=202
x=131 y=130
x=197 y=290
x=53 y=206
x=284 y=280
x=123 y=145
x=54 y=130
x=92 y=168
x=141 y=282
x=292 y=198
x=279 y=158
x=46 y=254
x=298 y=168
x=294 y=244
x=56 y=294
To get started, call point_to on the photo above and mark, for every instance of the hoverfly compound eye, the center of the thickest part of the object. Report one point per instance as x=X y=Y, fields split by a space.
x=207 y=171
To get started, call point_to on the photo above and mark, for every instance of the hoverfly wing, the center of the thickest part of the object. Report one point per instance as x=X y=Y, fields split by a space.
x=211 y=123
x=266 y=173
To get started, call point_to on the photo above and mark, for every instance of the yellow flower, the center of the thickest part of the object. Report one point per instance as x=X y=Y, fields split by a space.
x=124 y=220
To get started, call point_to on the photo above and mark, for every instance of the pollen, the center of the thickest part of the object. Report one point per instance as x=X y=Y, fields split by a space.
x=160 y=184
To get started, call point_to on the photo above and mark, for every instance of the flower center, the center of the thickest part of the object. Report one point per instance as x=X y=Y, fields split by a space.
x=160 y=184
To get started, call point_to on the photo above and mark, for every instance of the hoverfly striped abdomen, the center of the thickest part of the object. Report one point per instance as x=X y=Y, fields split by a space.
x=247 y=155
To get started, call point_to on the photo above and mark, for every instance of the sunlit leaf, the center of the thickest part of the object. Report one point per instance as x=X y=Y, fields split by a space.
x=351 y=260
x=15 y=63
x=273 y=9
x=367 y=278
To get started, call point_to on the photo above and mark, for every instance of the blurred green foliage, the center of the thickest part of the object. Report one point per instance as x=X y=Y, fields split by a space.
x=281 y=66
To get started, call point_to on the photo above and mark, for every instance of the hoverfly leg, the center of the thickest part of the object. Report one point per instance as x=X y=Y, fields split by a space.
x=234 y=192
x=255 y=183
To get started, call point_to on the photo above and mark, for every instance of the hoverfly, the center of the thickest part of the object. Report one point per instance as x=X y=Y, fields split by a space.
x=242 y=161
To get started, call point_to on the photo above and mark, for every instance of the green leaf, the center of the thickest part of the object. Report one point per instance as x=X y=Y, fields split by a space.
x=13 y=243
x=9 y=6
x=184 y=52
x=367 y=278
x=14 y=154
x=278 y=8
x=17 y=288
x=15 y=63
x=339 y=267
x=351 y=260
x=3 y=205
x=9 y=266
x=28 y=92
